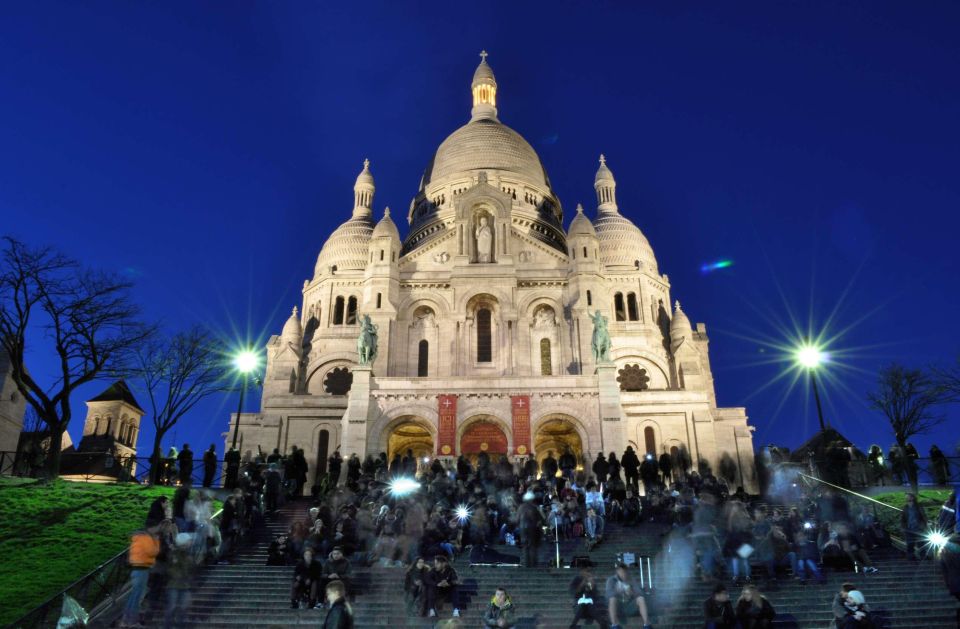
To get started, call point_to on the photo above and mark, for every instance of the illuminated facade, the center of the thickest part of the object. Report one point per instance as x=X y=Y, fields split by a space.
x=483 y=314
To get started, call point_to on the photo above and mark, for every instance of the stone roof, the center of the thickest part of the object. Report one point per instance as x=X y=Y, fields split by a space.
x=581 y=225
x=118 y=392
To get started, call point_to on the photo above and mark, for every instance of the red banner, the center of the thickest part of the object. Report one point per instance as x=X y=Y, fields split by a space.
x=520 y=404
x=483 y=437
x=447 y=428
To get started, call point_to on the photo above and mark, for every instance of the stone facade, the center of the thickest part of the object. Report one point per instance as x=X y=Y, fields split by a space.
x=485 y=307
x=12 y=407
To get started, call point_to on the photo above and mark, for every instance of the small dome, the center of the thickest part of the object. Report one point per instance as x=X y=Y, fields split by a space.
x=581 y=225
x=680 y=323
x=622 y=244
x=386 y=227
x=484 y=73
x=486 y=145
x=346 y=248
x=604 y=174
x=365 y=177
x=292 y=331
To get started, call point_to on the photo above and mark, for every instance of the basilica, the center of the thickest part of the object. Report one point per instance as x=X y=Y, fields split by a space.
x=475 y=332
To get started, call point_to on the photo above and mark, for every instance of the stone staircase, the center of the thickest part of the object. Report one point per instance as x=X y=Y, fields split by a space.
x=249 y=593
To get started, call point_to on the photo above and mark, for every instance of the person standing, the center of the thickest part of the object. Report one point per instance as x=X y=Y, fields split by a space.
x=875 y=461
x=353 y=469
x=649 y=474
x=665 y=463
x=334 y=465
x=144 y=548
x=600 y=468
x=232 y=459
x=568 y=463
x=940 y=466
x=271 y=487
x=530 y=524
x=549 y=466
x=913 y=522
x=185 y=459
x=624 y=598
x=339 y=614
x=209 y=465
x=631 y=466
x=949 y=561
x=180 y=568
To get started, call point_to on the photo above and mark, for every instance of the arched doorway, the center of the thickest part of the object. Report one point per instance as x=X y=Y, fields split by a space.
x=556 y=435
x=483 y=436
x=410 y=435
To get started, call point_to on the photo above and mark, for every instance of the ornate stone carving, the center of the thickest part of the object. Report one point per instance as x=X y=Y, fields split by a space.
x=338 y=381
x=633 y=378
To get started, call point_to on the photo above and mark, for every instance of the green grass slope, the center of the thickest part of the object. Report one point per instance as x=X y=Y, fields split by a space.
x=930 y=500
x=52 y=534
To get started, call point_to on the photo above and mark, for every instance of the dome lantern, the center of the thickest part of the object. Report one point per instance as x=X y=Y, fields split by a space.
x=484 y=88
x=606 y=187
x=363 y=191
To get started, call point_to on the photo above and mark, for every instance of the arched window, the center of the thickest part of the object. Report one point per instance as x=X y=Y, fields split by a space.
x=650 y=440
x=620 y=313
x=484 y=340
x=584 y=252
x=109 y=426
x=381 y=255
x=379 y=296
x=632 y=311
x=338 y=312
x=96 y=426
x=423 y=358
x=351 y=311
x=589 y=299
x=546 y=362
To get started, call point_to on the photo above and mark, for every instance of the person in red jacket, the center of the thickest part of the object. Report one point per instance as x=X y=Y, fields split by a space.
x=144 y=548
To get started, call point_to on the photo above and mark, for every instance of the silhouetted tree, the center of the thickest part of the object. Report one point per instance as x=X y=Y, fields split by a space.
x=177 y=373
x=907 y=397
x=84 y=317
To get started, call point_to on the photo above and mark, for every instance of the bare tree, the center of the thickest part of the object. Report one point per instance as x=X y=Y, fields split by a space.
x=86 y=317
x=947 y=381
x=908 y=398
x=178 y=373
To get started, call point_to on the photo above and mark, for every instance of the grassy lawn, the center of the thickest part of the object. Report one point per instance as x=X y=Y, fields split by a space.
x=51 y=534
x=930 y=499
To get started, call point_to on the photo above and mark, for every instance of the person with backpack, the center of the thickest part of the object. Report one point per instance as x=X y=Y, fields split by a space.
x=913 y=523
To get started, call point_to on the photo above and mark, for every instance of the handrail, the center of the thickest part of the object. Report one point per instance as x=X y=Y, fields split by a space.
x=850 y=491
x=44 y=608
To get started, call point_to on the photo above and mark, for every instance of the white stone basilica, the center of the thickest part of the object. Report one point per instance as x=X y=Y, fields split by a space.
x=483 y=315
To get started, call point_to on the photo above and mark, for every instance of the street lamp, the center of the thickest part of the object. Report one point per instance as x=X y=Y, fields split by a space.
x=245 y=363
x=811 y=357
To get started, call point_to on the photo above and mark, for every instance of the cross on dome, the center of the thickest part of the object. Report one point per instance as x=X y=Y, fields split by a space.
x=603 y=160
x=483 y=56
x=294 y=312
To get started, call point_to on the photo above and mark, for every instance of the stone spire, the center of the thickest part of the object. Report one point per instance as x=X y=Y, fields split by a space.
x=484 y=88
x=606 y=187
x=363 y=191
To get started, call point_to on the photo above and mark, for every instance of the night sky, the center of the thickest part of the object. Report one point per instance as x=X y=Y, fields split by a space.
x=207 y=149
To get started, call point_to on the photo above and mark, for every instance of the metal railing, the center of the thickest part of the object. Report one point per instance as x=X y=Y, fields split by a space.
x=860 y=473
x=100 y=467
x=96 y=592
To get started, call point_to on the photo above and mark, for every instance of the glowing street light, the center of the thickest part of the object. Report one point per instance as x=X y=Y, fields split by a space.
x=245 y=362
x=811 y=358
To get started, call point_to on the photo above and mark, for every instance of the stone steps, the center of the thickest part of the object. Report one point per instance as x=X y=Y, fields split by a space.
x=249 y=593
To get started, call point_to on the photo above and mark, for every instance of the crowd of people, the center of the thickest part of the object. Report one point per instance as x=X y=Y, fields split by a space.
x=421 y=515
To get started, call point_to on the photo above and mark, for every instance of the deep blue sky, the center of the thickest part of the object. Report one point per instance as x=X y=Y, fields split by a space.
x=207 y=149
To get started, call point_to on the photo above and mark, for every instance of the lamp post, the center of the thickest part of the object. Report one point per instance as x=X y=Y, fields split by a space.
x=811 y=357
x=244 y=362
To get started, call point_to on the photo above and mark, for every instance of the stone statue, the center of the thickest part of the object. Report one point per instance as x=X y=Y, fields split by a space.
x=367 y=341
x=601 y=339
x=484 y=236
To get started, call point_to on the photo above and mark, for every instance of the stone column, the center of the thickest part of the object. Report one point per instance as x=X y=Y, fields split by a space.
x=612 y=423
x=353 y=426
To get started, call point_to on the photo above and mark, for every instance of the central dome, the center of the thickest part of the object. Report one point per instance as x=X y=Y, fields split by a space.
x=485 y=145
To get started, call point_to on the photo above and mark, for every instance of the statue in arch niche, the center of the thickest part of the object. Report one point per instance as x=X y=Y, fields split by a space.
x=484 y=236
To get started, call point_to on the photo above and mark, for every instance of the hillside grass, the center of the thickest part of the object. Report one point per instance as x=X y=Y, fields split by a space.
x=930 y=499
x=51 y=534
